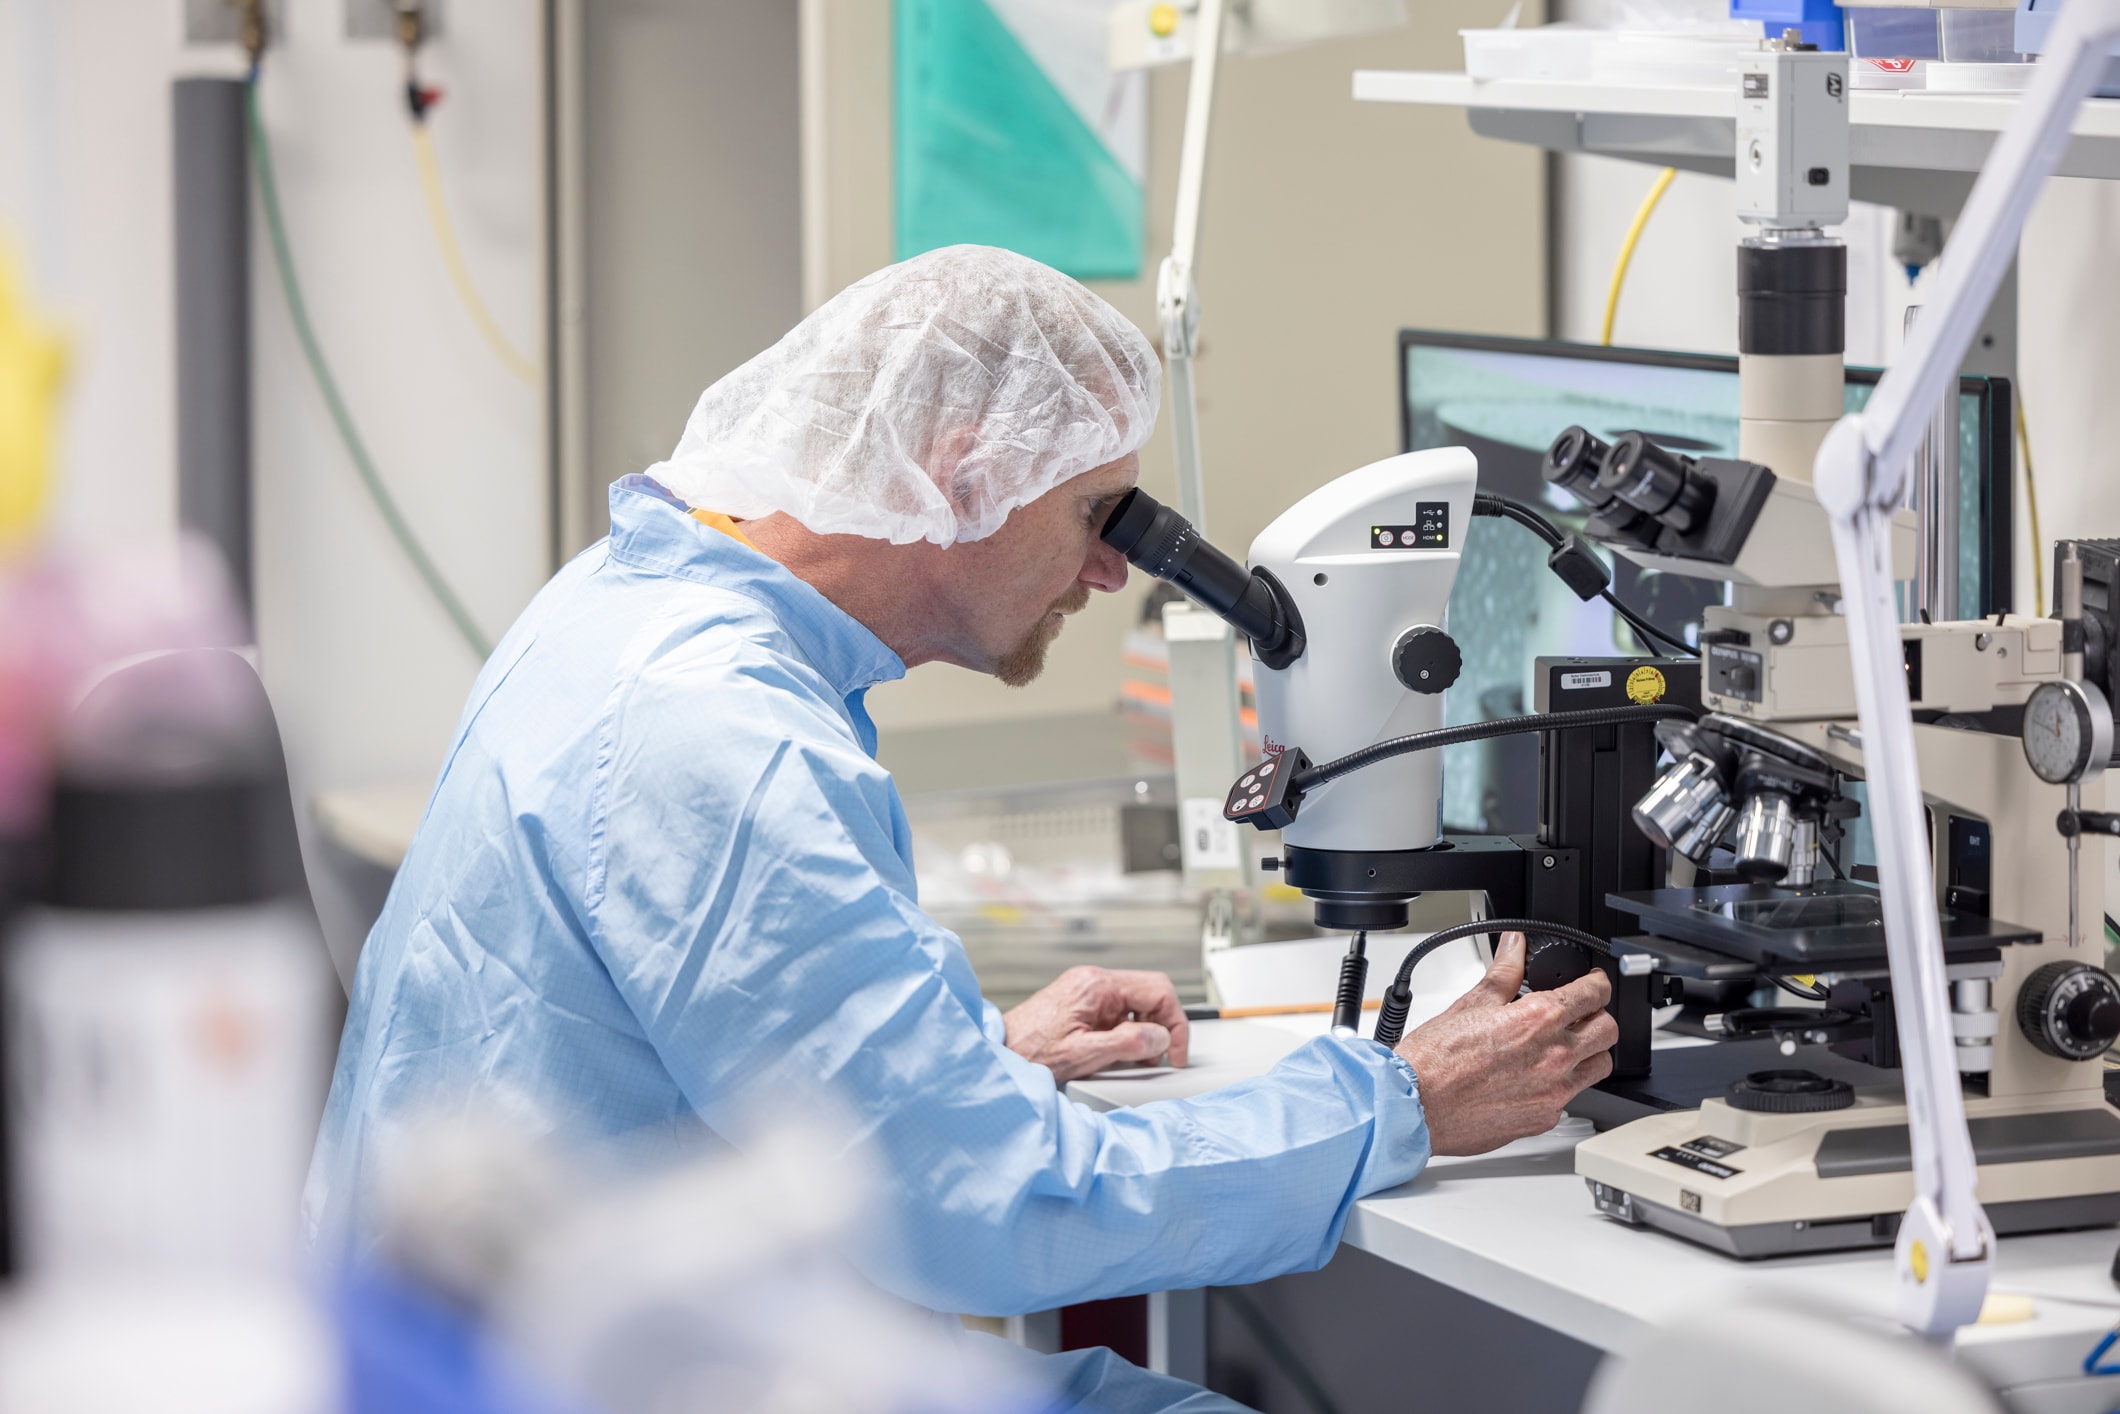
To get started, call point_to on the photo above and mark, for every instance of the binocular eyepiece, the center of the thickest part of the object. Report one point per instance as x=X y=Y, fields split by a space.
x=1630 y=483
x=1157 y=540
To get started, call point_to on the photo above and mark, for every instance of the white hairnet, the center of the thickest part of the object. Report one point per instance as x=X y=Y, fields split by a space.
x=924 y=402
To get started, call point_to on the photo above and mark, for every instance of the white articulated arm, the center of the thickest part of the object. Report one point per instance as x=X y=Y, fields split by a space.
x=1946 y=1245
x=1177 y=294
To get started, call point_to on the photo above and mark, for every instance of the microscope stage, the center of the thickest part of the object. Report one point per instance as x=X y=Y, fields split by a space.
x=1821 y=927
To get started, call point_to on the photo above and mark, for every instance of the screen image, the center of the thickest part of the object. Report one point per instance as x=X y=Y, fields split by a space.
x=1506 y=400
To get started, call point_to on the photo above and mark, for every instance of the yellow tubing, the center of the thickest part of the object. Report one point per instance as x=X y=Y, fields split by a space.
x=1626 y=249
x=453 y=257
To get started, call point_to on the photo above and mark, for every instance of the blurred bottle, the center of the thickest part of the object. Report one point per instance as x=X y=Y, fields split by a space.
x=163 y=996
x=167 y=992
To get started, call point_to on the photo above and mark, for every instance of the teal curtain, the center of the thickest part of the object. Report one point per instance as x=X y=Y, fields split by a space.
x=990 y=152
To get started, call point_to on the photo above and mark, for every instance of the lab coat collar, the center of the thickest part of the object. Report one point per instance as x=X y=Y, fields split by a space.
x=654 y=531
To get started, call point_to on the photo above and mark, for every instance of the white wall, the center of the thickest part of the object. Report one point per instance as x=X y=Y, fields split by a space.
x=2068 y=362
x=365 y=672
x=694 y=222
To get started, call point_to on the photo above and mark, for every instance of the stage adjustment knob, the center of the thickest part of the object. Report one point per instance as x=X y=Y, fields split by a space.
x=2070 y=1010
x=1790 y=1092
x=1427 y=660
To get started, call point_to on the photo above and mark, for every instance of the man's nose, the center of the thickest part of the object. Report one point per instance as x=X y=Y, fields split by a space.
x=1105 y=569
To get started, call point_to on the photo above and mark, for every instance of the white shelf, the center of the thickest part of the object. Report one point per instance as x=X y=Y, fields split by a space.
x=1915 y=149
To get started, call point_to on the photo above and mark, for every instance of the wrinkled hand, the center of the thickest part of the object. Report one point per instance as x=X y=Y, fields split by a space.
x=1090 y=1018
x=1497 y=1067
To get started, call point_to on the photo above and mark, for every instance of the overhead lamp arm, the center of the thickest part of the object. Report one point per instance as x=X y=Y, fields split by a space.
x=1946 y=1244
x=1177 y=291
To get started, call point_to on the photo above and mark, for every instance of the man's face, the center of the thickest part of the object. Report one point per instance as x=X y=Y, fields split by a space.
x=1012 y=591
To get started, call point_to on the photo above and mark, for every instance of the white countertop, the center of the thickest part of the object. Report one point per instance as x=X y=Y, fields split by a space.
x=375 y=822
x=1516 y=1228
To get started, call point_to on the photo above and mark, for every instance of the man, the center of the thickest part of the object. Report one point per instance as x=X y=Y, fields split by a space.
x=663 y=881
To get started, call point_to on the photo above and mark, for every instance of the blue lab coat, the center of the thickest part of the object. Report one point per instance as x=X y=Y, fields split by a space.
x=663 y=885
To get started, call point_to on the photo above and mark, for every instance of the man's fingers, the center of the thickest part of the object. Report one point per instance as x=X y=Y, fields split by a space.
x=1150 y=996
x=1505 y=975
x=1585 y=996
x=1128 y=1043
x=1586 y=1074
x=1595 y=1034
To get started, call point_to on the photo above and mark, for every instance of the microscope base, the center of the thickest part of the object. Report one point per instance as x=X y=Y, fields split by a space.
x=1846 y=1234
x=1760 y=1185
x=1682 y=1077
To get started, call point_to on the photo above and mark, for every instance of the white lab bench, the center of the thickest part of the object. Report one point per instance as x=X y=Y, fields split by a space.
x=1516 y=1229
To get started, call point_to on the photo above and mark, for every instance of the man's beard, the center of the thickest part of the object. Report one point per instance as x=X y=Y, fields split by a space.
x=1021 y=664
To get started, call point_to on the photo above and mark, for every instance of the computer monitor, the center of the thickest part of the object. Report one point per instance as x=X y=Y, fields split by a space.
x=1506 y=399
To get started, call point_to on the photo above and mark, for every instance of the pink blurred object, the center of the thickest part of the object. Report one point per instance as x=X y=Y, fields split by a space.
x=67 y=620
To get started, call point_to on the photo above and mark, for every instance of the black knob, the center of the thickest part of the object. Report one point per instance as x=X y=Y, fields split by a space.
x=1427 y=660
x=1790 y=1092
x=2070 y=1010
x=1554 y=962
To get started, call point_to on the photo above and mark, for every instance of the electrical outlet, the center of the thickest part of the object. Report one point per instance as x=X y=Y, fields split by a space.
x=377 y=19
x=221 y=21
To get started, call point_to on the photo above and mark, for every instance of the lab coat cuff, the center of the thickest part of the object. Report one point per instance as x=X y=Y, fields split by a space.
x=1399 y=1148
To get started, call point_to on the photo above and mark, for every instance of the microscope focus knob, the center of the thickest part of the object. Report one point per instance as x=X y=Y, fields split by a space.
x=1426 y=659
x=1554 y=962
x=2070 y=1010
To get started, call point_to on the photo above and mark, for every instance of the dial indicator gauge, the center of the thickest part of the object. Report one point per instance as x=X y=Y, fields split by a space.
x=2068 y=732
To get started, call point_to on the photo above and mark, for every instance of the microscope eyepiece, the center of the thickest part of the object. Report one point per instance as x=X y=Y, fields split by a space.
x=1146 y=532
x=1573 y=462
x=1158 y=541
x=1656 y=482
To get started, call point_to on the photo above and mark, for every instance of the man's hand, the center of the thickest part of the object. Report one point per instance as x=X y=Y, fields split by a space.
x=1496 y=1067
x=1090 y=1018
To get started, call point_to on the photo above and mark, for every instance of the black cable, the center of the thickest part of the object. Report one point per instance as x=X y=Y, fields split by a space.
x=1398 y=1001
x=1648 y=633
x=1489 y=504
x=1279 y=1351
x=1354 y=981
x=1483 y=731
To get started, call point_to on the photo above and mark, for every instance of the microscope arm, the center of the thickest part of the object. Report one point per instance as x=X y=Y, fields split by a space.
x=1946 y=1244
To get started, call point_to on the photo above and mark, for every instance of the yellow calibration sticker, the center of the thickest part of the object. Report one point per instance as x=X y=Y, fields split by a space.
x=1163 y=21
x=1646 y=685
